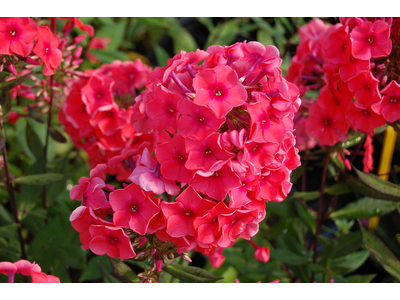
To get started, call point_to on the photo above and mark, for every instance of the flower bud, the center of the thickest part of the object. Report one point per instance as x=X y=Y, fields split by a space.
x=143 y=240
x=262 y=254
x=159 y=265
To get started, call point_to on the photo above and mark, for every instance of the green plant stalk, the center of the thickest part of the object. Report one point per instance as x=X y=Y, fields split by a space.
x=11 y=190
x=44 y=199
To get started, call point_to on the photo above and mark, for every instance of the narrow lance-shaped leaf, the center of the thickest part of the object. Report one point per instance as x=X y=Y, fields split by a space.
x=379 y=184
x=39 y=179
x=8 y=85
x=56 y=135
x=357 y=185
x=5 y=102
x=365 y=208
x=123 y=271
x=191 y=274
x=381 y=253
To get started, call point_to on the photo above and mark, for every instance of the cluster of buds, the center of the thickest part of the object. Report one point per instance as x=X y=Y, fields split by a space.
x=26 y=268
x=97 y=116
x=223 y=145
x=356 y=76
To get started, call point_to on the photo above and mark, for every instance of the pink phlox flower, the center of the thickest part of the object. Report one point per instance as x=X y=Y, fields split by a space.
x=219 y=89
x=206 y=154
x=81 y=219
x=217 y=182
x=111 y=241
x=197 y=121
x=133 y=208
x=172 y=156
x=180 y=214
x=270 y=184
x=184 y=244
x=17 y=35
x=216 y=258
x=110 y=120
x=26 y=268
x=338 y=46
x=371 y=40
x=90 y=192
x=96 y=43
x=259 y=154
x=163 y=109
x=365 y=88
x=233 y=225
x=216 y=56
x=234 y=139
x=261 y=253
x=98 y=93
x=74 y=21
x=46 y=47
x=265 y=126
x=364 y=118
x=147 y=176
x=40 y=277
x=389 y=106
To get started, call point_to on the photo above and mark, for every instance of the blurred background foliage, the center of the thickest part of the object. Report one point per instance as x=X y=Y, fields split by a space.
x=289 y=225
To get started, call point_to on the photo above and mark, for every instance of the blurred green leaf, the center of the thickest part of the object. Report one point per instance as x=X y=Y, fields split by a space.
x=349 y=263
x=5 y=217
x=306 y=195
x=35 y=114
x=354 y=139
x=290 y=257
x=5 y=102
x=358 y=186
x=381 y=253
x=190 y=274
x=39 y=179
x=93 y=270
x=264 y=37
x=365 y=208
x=307 y=216
x=360 y=278
x=162 y=55
x=223 y=33
x=116 y=32
x=379 y=184
x=56 y=135
x=123 y=271
x=8 y=85
x=9 y=230
x=108 y=56
x=338 y=188
x=34 y=143
x=183 y=40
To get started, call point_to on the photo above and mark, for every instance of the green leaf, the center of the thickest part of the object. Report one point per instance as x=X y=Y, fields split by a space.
x=9 y=230
x=349 y=263
x=191 y=274
x=183 y=40
x=306 y=195
x=5 y=102
x=381 y=253
x=161 y=55
x=307 y=216
x=8 y=85
x=108 y=56
x=358 y=186
x=5 y=217
x=123 y=271
x=56 y=135
x=365 y=208
x=33 y=140
x=40 y=179
x=2 y=142
x=379 y=184
x=93 y=269
x=35 y=114
x=338 y=188
x=290 y=257
x=360 y=278
x=264 y=37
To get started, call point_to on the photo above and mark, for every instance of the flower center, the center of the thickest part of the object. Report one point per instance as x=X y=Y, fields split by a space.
x=187 y=213
x=201 y=119
x=218 y=93
x=208 y=151
x=327 y=121
x=134 y=208
x=47 y=50
x=113 y=240
x=370 y=40
x=393 y=100
x=12 y=32
x=366 y=113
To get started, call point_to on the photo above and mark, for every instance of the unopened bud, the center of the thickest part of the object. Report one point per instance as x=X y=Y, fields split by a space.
x=186 y=257
x=62 y=44
x=12 y=69
x=32 y=61
x=143 y=240
x=141 y=253
x=71 y=47
x=24 y=72
x=79 y=38
x=78 y=52
x=159 y=265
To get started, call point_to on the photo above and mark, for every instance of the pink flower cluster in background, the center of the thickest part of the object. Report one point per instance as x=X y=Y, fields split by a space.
x=352 y=65
x=223 y=144
x=26 y=268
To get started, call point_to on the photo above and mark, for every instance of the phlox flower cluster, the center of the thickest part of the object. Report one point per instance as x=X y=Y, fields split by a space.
x=97 y=113
x=354 y=66
x=26 y=268
x=223 y=119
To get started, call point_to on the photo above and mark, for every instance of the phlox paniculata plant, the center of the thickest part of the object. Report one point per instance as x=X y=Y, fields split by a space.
x=214 y=142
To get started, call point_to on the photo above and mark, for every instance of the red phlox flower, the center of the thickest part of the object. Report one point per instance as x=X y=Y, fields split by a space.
x=364 y=118
x=74 y=21
x=389 y=106
x=206 y=154
x=172 y=156
x=98 y=93
x=111 y=241
x=17 y=35
x=110 y=120
x=46 y=47
x=81 y=219
x=197 y=121
x=216 y=258
x=338 y=46
x=40 y=277
x=219 y=89
x=365 y=88
x=147 y=176
x=217 y=182
x=133 y=208
x=371 y=40
x=180 y=214
x=271 y=186
x=323 y=126
x=352 y=68
x=96 y=43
